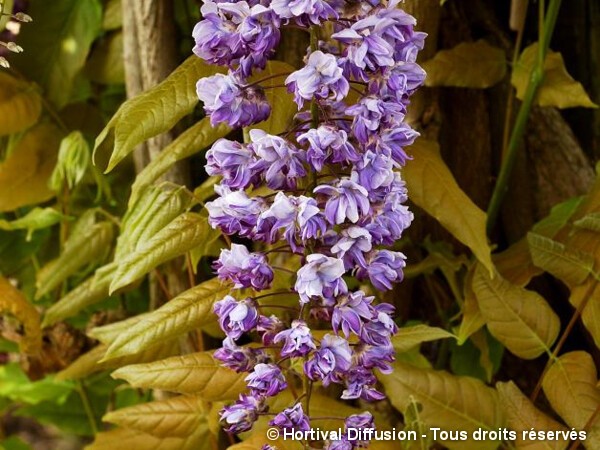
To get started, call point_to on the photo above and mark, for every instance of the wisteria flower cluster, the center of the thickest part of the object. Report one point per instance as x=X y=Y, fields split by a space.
x=337 y=201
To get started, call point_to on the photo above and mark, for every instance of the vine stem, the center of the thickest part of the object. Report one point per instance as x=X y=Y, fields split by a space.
x=87 y=406
x=588 y=295
x=511 y=97
x=535 y=81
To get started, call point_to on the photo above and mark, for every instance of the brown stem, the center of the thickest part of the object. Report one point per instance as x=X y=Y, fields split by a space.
x=563 y=338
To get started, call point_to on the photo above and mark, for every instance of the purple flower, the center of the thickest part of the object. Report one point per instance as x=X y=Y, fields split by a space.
x=297 y=340
x=236 y=318
x=321 y=276
x=268 y=447
x=266 y=379
x=392 y=142
x=351 y=246
x=216 y=39
x=359 y=384
x=313 y=10
x=350 y=312
x=234 y=212
x=321 y=78
x=299 y=218
x=360 y=421
x=292 y=419
x=372 y=113
x=399 y=81
x=383 y=268
x=260 y=35
x=370 y=356
x=331 y=360
x=245 y=269
x=381 y=327
x=227 y=100
x=269 y=327
x=242 y=414
x=347 y=200
x=375 y=171
x=340 y=444
x=328 y=144
x=236 y=35
x=240 y=359
x=232 y=161
x=279 y=160
x=367 y=49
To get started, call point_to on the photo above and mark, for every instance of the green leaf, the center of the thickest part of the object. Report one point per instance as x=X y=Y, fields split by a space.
x=520 y=319
x=283 y=107
x=472 y=319
x=558 y=88
x=177 y=238
x=469 y=64
x=105 y=65
x=73 y=161
x=133 y=439
x=197 y=373
x=559 y=217
x=89 y=362
x=58 y=44
x=570 y=385
x=449 y=402
x=20 y=104
x=36 y=219
x=523 y=416
x=112 y=19
x=434 y=189
x=15 y=385
x=91 y=291
x=174 y=417
x=409 y=337
x=80 y=250
x=190 y=310
x=24 y=174
x=589 y=222
x=193 y=140
x=567 y=264
x=107 y=334
x=158 y=206
x=153 y=112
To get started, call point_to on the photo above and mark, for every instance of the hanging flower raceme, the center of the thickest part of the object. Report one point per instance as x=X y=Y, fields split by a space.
x=328 y=192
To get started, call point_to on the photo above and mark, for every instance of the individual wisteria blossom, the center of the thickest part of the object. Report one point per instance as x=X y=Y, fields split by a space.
x=320 y=205
x=321 y=78
x=232 y=161
x=241 y=415
x=243 y=268
x=236 y=317
x=266 y=379
x=280 y=162
x=320 y=277
x=292 y=419
x=227 y=100
x=297 y=340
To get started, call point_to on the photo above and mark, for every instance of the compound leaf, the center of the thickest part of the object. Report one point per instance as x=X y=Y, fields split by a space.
x=434 y=189
x=449 y=402
x=197 y=373
x=468 y=65
x=190 y=310
x=520 y=319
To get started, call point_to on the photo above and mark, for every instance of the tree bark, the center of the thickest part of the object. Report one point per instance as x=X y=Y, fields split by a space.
x=150 y=55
